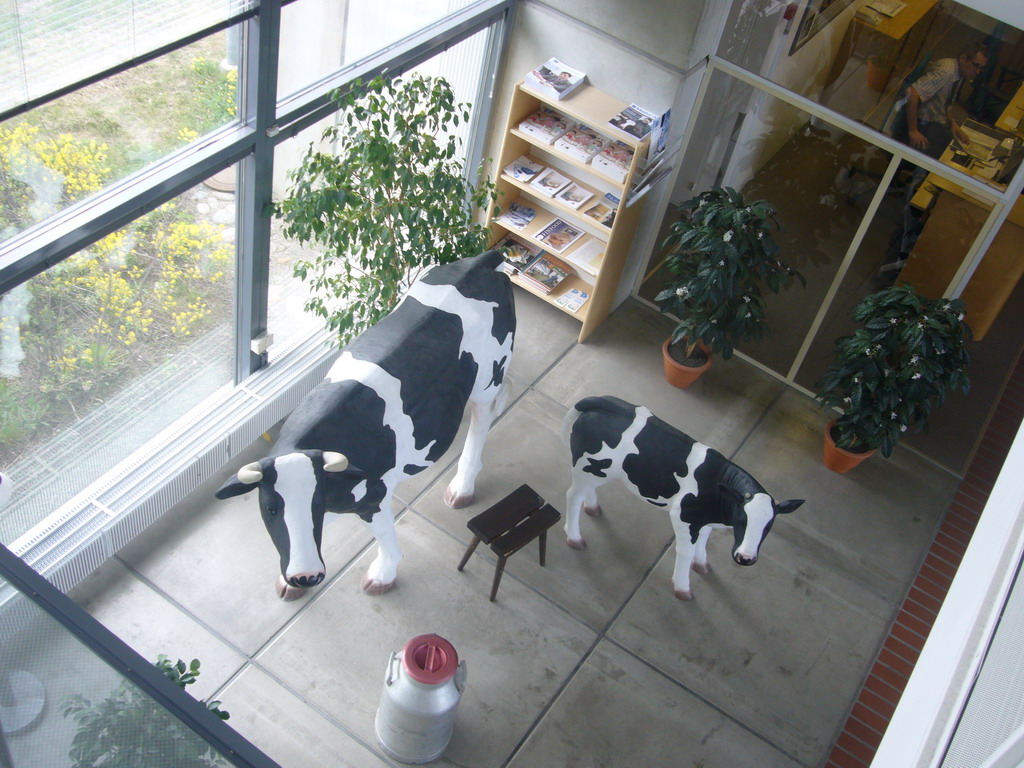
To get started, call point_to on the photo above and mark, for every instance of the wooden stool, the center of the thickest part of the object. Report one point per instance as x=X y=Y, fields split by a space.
x=510 y=525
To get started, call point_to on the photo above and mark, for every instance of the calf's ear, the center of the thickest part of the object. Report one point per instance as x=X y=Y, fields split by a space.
x=785 y=507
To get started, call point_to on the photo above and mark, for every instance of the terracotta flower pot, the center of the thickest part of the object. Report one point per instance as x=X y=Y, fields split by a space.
x=679 y=375
x=839 y=459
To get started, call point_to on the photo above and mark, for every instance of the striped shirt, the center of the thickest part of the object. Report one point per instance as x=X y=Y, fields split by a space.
x=937 y=88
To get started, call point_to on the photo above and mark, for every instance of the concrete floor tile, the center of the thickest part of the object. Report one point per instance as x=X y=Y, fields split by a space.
x=623 y=358
x=518 y=651
x=152 y=625
x=287 y=729
x=617 y=711
x=771 y=644
x=623 y=543
x=873 y=523
x=543 y=334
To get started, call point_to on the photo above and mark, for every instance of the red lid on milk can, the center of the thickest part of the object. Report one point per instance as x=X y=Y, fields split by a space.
x=430 y=659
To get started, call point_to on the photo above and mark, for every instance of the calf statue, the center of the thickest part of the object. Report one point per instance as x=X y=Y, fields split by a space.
x=610 y=439
x=389 y=408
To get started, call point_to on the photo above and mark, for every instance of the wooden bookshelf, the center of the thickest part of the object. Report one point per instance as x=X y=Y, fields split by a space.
x=594 y=108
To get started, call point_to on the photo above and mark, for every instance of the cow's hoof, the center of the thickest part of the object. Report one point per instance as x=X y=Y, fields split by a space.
x=286 y=591
x=458 y=500
x=594 y=511
x=684 y=594
x=577 y=544
x=702 y=568
x=375 y=587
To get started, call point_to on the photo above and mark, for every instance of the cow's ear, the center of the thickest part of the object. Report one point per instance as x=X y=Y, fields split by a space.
x=785 y=507
x=234 y=487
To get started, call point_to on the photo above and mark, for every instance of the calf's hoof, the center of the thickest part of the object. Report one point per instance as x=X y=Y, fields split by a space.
x=457 y=500
x=684 y=594
x=594 y=511
x=375 y=587
x=286 y=591
x=702 y=568
x=577 y=544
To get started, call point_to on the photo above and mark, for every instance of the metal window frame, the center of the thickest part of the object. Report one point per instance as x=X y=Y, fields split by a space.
x=265 y=124
x=129 y=664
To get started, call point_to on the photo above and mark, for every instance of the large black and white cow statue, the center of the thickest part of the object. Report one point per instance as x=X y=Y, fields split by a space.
x=610 y=439
x=389 y=407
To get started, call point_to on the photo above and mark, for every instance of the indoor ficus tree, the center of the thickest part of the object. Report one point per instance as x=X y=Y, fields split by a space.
x=381 y=197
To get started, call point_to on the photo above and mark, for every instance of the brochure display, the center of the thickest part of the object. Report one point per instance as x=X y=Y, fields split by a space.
x=549 y=168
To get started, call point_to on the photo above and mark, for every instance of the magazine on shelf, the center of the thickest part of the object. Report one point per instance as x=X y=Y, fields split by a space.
x=559 y=235
x=633 y=121
x=587 y=258
x=603 y=211
x=545 y=273
x=517 y=252
x=546 y=124
x=574 y=195
x=614 y=160
x=581 y=143
x=555 y=78
x=550 y=182
x=573 y=299
x=517 y=216
x=659 y=136
x=523 y=168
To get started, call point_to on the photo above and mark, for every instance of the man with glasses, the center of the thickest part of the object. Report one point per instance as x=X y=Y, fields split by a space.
x=923 y=117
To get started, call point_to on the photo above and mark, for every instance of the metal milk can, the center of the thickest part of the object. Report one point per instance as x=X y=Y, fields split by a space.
x=422 y=687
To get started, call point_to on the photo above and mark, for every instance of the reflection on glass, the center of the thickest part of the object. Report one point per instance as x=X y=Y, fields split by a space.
x=461 y=66
x=820 y=181
x=320 y=36
x=107 y=348
x=63 y=152
x=840 y=55
x=919 y=237
x=63 y=706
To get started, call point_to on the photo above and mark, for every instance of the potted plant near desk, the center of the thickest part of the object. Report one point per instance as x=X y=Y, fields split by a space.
x=892 y=372
x=720 y=254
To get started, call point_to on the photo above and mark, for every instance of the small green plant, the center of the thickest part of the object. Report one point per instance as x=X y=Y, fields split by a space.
x=893 y=371
x=720 y=252
x=383 y=196
x=128 y=729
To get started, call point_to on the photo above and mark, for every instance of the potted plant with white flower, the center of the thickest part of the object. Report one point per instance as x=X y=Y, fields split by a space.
x=721 y=254
x=892 y=372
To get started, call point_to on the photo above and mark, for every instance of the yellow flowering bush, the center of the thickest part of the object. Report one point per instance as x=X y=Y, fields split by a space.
x=41 y=174
x=112 y=309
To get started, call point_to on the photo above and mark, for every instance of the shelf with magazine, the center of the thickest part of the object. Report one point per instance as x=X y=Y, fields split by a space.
x=555 y=234
x=561 y=180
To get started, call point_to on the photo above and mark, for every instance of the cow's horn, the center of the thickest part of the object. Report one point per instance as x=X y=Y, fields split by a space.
x=335 y=462
x=250 y=473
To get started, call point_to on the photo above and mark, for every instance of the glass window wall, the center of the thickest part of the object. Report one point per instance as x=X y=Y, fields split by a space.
x=103 y=351
x=859 y=62
x=346 y=31
x=62 y=153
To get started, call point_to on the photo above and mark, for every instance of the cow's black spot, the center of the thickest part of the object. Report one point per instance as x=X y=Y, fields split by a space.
x=597 y=467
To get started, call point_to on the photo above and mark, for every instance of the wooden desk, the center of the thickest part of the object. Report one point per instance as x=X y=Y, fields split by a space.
x=896 y=27
x=1012 y=119
x=886 y=40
